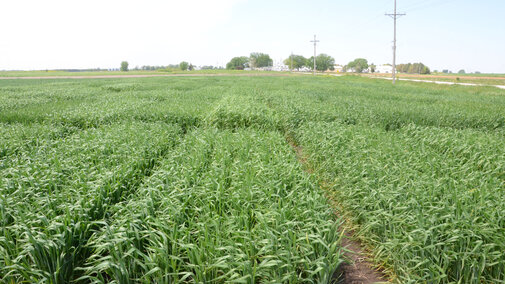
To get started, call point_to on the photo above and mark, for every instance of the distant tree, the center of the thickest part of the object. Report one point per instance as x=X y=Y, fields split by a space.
x=413 y=68
x=124 y=66
x=462 y=71
x=184 y=65
x=207 y=67
x=309 y=62
x=238 y=63
x=191 y=67
x=477 y=72
x=298 y=61
x=358 y=65
x=445 y=71
x=403 y=68
x=259 y=60
x=372 y=68
x=323 y=62
x=425 y=70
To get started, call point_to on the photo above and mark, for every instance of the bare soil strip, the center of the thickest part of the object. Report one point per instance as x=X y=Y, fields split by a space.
x=444 y=82
x=441 y=76
x=150 y=75
x=360 y=270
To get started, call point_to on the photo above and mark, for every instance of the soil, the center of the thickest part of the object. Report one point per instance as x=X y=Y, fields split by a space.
x=147 y=76
x=360 y=269
x=452 y=77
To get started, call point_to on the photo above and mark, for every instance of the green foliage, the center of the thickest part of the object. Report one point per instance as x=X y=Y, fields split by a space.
x=138 y=184
x=124 y=66
x=413 y=68
x=238 y=63
x=324 y=62
x=429 y=197
x=462 y=71
x=166 y=180
x=259 y=60
x=358 y=65
x=184 y=65
x=372 y=68
x=297 y=61
x=206 y=215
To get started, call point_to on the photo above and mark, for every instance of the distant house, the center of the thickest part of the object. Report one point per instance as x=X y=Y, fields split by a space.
x=279 y=66
x=266 y=68
x=384 y=69
x=339 y=68
x=353 y=70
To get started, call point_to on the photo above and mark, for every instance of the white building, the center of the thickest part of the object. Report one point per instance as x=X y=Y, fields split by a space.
x=279 y=66
x=384 y=69
x=339 y=68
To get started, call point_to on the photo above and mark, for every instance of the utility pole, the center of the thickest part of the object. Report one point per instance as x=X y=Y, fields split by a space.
x=394 y=16
x=315 y=43
x=291 y=62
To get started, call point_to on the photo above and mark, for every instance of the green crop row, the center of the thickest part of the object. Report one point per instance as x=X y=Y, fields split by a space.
x=192 y=179
x=54 y=191
x=222 y=207
x=430 y=200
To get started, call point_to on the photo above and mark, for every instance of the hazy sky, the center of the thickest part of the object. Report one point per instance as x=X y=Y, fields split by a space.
x=443 y=34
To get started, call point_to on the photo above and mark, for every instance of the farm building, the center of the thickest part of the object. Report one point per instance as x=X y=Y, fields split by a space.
x=384 y=69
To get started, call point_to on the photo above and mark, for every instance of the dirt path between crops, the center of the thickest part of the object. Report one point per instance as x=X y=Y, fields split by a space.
x=439 y=76
x=148 y=76
x=360 y=270
x=443 y=82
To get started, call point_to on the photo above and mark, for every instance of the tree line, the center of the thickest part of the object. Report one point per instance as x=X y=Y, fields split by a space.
x=324 y=62
x=184 y=66
x=413 y=68
x=255 y=60
x=258 y=60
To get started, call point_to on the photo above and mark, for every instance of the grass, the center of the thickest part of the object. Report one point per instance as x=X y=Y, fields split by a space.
x=192 y=179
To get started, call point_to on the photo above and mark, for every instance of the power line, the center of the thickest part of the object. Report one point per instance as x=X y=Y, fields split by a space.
x=315 y=42
x=427 y=4
x=415 y=4
x=395 y=16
